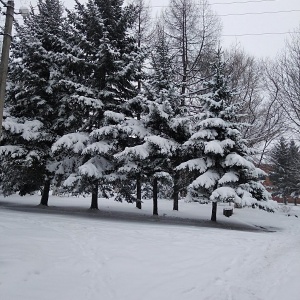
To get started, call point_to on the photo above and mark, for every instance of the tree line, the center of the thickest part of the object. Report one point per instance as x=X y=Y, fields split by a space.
x=101 y=100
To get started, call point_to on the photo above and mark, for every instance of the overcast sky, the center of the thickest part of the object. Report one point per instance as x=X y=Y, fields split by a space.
x=254 y=19
x=258 y=45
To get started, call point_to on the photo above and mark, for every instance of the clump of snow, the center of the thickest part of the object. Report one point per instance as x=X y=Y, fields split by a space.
x=72 y=141
x=229 y=177
x=117 y=117
x=234 y=159
x=29 y=130
x=101 y=147
x=140 y=151
x=95 y=167
x=200 y=164
x=225 y=193
x=213 y=147
x=207 y=179
x=166 y=146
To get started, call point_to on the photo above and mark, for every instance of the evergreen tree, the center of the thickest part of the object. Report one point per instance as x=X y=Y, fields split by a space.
x=35 y=102
x=284 y=176
x=110 y=57
x=155 y=157
x=221 y=163
x=293 y=169
x=167 y=117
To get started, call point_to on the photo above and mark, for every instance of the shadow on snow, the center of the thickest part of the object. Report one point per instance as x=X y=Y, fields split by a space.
x=121 y=216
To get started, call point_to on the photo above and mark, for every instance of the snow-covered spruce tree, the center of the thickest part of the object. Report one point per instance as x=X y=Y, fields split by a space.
x=36 y=101
x=141 y=30
x=220 y=159
x=160 y=151
x=102 y=31
x=150 y=159
x=294 y=164
x=167 y=118
x=285 y=159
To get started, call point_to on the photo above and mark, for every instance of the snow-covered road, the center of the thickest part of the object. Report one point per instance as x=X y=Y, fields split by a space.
x=70 y=254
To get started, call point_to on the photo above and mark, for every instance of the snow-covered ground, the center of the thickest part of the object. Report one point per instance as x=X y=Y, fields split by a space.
x=66 y=252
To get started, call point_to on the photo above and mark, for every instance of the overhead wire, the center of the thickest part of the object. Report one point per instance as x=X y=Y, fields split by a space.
x=241 y=2
x=262 y=33
x=222 y=3
x=247 y=13
x=261 y=13
x=243 y=14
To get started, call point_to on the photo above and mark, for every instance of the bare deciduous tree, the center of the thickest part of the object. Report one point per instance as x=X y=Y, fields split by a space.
x=194 y=31
x=258 y=99
x=285 y=76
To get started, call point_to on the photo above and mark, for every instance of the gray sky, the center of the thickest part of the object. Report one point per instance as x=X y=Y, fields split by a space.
x=247 y=23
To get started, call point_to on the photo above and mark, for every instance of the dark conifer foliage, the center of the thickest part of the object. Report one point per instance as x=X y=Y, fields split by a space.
x=285 y=160
x=35 y=101
x=159 y=151
x=110 y=58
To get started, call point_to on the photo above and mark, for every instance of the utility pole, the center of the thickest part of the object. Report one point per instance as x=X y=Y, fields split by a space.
x=7 y=37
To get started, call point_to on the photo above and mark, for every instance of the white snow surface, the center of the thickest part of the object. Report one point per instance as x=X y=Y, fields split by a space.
x=67 y=252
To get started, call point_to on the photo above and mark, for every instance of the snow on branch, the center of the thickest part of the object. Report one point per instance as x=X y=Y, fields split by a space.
x=106 y=131
x=95 y=103
x=73 y=141
x=29 y=130
x=13 y=151
x=133 y=127
x=234 y=159
x=200 y=164
x=225 y=194
x=71 y=180
x=212 y=123
x=204 y=134
x=140 y=152
x=95 y=167
x=213 y=147
x=101 y=147
x=229 y=177
x=206 y=180
x=117 y=117
x=166 y=146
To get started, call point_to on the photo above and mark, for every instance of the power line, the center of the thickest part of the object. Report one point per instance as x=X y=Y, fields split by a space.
x=224 y=3
x=262 y=13
x=254 y=13
x=262 y=33
x=242 y=2
x=243 y=14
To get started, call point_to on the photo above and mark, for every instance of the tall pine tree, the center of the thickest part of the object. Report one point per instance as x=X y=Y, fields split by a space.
x=36 y=101
x=101 y=31
x=159 y=151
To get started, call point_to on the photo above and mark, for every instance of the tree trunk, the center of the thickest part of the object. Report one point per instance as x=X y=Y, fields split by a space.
x=45 y=193
x=295 y=201
x=155 y=192
x=138 y=192
x=214 y=212
x=94 y=203
x=175 y=192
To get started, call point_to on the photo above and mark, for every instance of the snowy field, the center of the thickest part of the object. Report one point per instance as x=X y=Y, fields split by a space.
x=66 y=252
